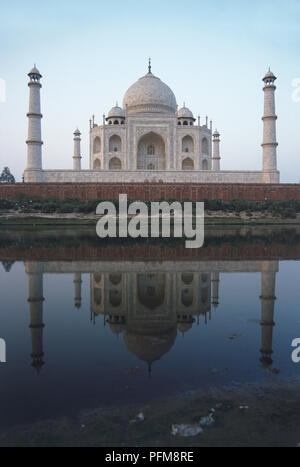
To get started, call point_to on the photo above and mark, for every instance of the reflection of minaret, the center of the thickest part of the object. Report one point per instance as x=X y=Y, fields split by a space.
x=269 y=270
x=77 y=282
x=215 y=281
x=35 y=300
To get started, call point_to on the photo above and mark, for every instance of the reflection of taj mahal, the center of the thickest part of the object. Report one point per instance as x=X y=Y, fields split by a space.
x=150 y=308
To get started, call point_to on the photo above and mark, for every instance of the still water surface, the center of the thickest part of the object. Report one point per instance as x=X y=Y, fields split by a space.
x=87 y=327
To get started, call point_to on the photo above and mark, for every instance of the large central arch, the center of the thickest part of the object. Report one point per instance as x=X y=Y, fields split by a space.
x=151 y=152
x=151 y=290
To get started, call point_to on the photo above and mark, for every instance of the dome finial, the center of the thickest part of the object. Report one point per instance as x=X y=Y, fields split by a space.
x=149 y=66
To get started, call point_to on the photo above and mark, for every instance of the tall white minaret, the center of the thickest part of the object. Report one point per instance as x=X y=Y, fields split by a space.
x=77 y=150
x=33 y=172
x=216 y=151
x=270 y=174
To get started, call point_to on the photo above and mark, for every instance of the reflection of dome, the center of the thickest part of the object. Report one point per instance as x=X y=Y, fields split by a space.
x=150 y=347
x=266 y=361
x=185 y=113
x=116 y=112
x=184 y=327
x=116 y=328
x=149 y=94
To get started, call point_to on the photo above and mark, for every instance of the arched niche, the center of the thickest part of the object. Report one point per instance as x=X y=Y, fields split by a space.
x=188 y=144
x=115 y=298
x=97 y=164
x=204 y=295
x=97 y=145
x=115 y=144
x=187 y=297
x=97 y=296
x=204 y=146
x=188 y=164
x=187 y=278
x=98 y=278
x=115 y=279
x=204 y=165
x=151 y=152
x=115 y=164
x=151 y=289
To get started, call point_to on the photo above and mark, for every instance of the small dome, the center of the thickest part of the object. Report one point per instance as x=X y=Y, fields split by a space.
x=185 y=113
x=184 y=327
x=150 y=95
x=150 y=347
x=77 y=132
x=116 y=112
x=269 y=76
x=116 y=328
x=34 y=71
x=216 y=134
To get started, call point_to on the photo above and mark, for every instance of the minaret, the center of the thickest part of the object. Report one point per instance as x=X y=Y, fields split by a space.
x=215 y=281
x=33 y=172
x=77 y=150
x=270 y=174
x=36 y=299
x=269 y=270
x=216 y=151
x=77 y=283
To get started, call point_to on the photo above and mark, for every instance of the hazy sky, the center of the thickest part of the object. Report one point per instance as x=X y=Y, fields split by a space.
x=213 y=55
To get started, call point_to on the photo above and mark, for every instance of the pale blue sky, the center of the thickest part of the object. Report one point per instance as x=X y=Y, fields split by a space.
x=212 y=54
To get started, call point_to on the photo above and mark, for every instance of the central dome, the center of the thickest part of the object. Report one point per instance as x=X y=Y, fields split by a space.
x=149 y=95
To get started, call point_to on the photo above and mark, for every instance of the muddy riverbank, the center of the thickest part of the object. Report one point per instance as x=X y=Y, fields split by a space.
x=244 y=415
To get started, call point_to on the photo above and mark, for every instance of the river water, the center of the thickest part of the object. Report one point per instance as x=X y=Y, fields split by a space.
x=92 y=324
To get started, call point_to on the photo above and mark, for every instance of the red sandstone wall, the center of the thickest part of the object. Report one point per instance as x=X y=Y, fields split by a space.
x=153 y=191
x=257 y=252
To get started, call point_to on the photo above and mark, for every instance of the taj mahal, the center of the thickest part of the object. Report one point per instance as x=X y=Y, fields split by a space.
x=149 y=139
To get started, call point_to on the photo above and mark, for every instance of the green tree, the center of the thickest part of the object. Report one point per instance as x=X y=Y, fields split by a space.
x=6 y=176
x=7 y=265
